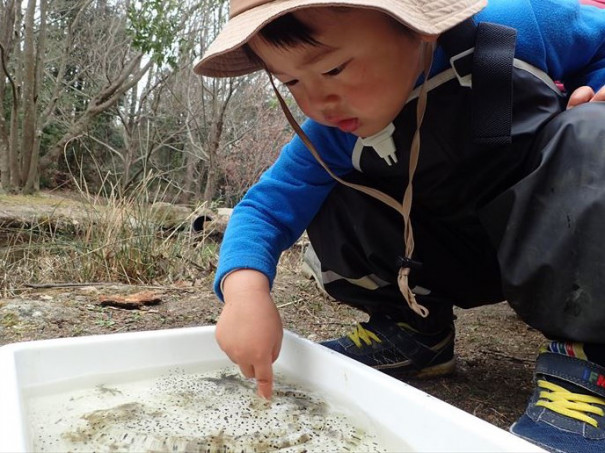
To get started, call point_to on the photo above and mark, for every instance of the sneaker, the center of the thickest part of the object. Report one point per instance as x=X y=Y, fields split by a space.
x=397 y=349
x=566 y=412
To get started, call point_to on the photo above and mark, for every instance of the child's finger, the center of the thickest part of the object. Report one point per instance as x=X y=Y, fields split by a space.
x=264 y=379
x=580 y=96
x=600 y=96
x=247 y=370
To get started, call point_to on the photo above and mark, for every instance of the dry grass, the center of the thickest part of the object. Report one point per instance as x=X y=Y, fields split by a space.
x=107 y=239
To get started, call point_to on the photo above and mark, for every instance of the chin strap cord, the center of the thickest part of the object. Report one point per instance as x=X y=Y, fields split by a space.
x=403 y=208
x=404 y=271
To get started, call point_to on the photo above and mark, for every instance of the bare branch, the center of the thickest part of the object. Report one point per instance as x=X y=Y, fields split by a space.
x=8 y=75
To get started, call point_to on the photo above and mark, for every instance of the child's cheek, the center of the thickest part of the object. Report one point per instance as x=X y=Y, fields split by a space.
x=305 y=107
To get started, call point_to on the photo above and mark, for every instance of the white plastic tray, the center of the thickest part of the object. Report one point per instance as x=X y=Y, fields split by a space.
x=420 y=421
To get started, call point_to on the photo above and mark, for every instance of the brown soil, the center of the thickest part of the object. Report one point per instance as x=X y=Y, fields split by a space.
x=495 y=350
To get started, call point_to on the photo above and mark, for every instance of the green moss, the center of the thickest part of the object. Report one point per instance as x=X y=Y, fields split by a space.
x=9 y=320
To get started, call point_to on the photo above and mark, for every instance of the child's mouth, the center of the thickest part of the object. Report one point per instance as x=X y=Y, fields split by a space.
x=348 y=125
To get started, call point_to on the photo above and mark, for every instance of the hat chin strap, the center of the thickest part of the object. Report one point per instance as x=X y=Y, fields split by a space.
x=383 y=140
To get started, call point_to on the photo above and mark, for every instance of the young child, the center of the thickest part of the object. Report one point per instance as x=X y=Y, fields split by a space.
x=465 y=177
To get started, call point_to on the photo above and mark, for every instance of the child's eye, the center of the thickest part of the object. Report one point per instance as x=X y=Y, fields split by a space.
x=290 y=83
x=337 y=70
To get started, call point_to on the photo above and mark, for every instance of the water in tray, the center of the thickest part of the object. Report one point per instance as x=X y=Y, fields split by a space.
x=216 y=411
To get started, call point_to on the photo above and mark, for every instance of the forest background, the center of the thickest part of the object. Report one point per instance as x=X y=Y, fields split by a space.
x=100 y=103
x=101 y=94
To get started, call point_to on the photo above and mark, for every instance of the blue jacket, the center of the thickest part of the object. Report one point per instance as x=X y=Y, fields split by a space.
x=559 y=37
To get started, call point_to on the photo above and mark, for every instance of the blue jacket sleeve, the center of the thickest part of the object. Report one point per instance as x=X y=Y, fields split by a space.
x=277 y=209
x=564 y=38
x=574 y=41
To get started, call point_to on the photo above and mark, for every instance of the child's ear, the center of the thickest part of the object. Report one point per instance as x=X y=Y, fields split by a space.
x=428 y=38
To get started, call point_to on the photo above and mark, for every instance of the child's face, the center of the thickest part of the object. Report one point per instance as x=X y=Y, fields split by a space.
x=360 y=76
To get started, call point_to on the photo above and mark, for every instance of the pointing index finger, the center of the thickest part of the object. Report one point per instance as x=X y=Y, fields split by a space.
x=264 y=379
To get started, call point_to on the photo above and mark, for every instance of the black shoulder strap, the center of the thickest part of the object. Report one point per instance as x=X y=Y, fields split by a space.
x=492 y=96
x=486 y=51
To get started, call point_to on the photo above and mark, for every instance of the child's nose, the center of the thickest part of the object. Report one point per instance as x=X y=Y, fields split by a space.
x=322 y=98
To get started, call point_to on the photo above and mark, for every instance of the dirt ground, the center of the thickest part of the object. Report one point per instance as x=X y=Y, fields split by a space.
x=495 y=350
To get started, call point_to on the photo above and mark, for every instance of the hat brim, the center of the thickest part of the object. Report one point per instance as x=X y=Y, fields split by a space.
x=226 y=58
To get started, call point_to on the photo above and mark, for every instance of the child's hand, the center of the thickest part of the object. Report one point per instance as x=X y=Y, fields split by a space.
x=249 y=329
x=585 y=94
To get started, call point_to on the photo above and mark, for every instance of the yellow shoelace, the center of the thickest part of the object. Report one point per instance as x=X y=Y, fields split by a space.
x=367 y=336
x=361 y=334
x=574 y=405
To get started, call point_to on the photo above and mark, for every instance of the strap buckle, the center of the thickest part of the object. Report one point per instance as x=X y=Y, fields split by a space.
x=405 y=262
x=464 y=80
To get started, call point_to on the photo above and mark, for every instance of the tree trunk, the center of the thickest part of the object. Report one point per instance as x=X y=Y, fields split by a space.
x=7 y=24
x=14 y=158
x=29 y=91
x=191 y=160
x=130 y=142
x=211 y=173
x=216 y=131
x=4 y=140
x=32 y=181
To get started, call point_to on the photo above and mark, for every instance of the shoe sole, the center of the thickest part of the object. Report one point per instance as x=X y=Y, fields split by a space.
x=443 y=369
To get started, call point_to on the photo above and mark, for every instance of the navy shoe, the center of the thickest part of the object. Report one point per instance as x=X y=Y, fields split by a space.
x=397 y=349
x=566 y=413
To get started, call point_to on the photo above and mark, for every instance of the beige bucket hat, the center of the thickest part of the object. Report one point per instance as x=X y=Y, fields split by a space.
x=225 y=57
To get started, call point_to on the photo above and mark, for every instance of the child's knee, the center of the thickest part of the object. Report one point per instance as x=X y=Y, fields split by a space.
x=589 y=116
x=580 y=129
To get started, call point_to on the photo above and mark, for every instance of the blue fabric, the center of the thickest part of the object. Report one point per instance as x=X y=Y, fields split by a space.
x=563 y=38
x=547 y=436
x=556 y=432
x=560 y=37
x=277 y=209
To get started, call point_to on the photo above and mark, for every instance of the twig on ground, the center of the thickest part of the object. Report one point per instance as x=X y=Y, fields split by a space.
x=332 y=323
x=502 y=355
x=289 y=303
